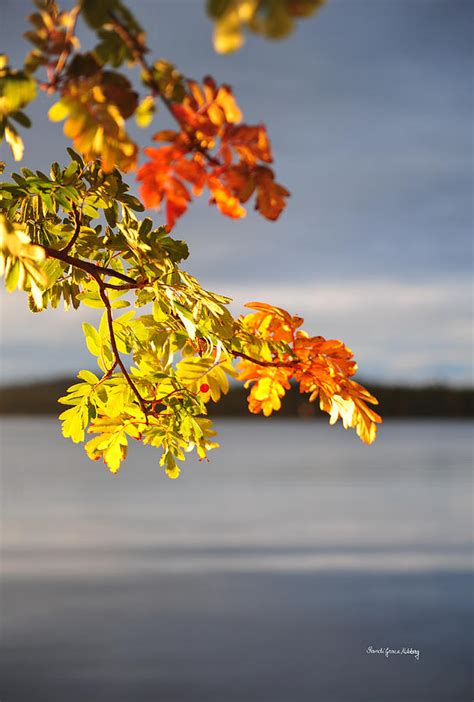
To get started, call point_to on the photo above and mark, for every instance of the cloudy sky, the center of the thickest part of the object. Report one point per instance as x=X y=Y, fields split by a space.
x=369 y=108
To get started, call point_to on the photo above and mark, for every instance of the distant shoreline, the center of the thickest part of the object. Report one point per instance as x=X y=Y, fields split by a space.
x=40 y=398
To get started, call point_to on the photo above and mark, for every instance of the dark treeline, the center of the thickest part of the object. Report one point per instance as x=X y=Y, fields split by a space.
x=395 y=401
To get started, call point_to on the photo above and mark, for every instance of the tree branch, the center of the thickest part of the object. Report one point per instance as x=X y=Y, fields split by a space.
x=96 y=271
x=77 y=230
x=54 y=70
x=113 y=343
x=63 y=57
x=265 y=364
x=138 y=53
x=92 y=268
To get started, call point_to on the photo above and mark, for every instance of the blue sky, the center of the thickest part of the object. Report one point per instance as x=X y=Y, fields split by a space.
x=369 y=108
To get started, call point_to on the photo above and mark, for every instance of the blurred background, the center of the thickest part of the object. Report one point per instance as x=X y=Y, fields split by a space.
x=265 y=575
x=369 y=108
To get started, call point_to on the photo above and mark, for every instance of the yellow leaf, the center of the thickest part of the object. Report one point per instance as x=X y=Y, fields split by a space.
x=15 y=142
x=113 y=457
x=196 y=372
x=58 y=111
x=95 y=110
x=228 y=36
x=74 y=420
x=36 y=294
x=145 y=111
x=20 y=258
x=173 y=472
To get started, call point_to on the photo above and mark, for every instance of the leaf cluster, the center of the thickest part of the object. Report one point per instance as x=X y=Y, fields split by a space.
x=273 y=19
x=165 y=346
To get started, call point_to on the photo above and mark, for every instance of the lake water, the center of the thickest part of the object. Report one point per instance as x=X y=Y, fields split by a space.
x=262 y=576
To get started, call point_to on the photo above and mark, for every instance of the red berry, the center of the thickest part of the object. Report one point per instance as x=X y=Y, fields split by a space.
x=204 y=387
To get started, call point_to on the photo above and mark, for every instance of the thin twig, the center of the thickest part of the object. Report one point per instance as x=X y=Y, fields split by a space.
x=63 y=57
x=138 y=53
x=91 y=268
x=113 y=343
x=77 y=229
x=54 y=71
x=265 y=364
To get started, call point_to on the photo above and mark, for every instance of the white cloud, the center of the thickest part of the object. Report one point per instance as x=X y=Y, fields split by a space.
x=415 y=331
x=399 y=331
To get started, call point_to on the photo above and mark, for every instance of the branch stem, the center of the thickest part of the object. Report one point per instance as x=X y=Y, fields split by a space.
x=138 y=53
x=77 y=229
x=113 y=343
x=88 y=267
x=265 y=364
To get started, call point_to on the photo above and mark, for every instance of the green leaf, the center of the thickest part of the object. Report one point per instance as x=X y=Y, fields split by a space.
x=111 y=216
x=133 y=202
x=16 y=90
x=75 y=156
x=96 y=13
x=21 y=118
x=92 y=339
x=71 y=170
x=145 y=227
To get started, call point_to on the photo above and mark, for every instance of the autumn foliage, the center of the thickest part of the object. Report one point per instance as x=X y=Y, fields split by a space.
x=95 y=109
x=211 y=149
x=322 y=368
x=74 y=236
x=273 y=20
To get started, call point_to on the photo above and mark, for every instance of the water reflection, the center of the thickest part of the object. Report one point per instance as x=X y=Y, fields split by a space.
x=259 y=576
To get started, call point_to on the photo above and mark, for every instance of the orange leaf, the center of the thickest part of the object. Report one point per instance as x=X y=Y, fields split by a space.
x=223 y=197
x=208 y=115
x=161 y=178
x=250 y=142
x=166 y=135
x=193 y=171
x=322 y=367
x=270 y=195
x=225 y=99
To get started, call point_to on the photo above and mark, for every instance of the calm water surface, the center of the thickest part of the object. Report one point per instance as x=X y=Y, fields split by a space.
x=262 y=576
